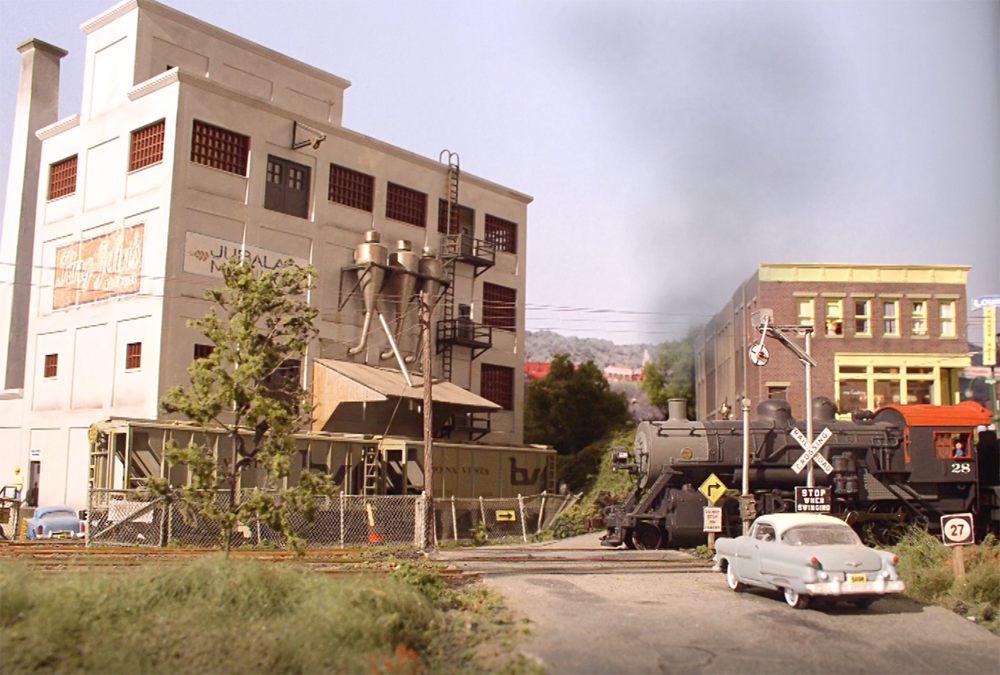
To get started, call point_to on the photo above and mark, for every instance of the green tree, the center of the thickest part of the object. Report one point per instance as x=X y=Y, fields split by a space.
x=260 y=322
x=570 y=408
x=671 y=373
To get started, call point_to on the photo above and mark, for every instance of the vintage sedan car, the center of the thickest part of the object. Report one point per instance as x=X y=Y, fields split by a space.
x=51 y=522
x=807 y=555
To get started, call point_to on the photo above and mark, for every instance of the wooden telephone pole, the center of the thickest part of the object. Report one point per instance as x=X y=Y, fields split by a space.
x=425 y=326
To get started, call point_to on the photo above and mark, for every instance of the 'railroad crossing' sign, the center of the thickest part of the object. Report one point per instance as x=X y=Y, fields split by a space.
x=957 y=529
x=713 y=489
x=812 y=451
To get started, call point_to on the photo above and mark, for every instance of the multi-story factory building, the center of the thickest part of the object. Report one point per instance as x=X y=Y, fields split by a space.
x=881 y=334
x=194 y=145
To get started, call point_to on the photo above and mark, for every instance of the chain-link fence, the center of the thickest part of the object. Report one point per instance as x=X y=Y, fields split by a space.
x=123 y=517
x=9 y=509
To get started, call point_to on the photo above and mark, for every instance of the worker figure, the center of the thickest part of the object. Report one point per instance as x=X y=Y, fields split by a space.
x=17 y=483
x=959 y=451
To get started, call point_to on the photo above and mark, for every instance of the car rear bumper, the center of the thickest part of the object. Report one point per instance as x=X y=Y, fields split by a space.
x=877 y=587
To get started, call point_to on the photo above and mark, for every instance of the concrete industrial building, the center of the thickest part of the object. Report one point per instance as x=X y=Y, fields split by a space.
x=882 y=334
x=192 y=145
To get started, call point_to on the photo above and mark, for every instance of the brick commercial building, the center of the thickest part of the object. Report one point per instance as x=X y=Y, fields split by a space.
x=882 y=334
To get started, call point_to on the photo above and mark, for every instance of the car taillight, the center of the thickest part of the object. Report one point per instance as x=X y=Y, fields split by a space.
x=813 y=561
x=83 y=527
x=895 y=558
x=40 y=529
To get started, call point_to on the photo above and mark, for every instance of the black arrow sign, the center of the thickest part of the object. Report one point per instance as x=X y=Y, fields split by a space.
x=712 y=487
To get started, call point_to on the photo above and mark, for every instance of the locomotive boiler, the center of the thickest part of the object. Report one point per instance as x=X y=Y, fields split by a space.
x=874 y=459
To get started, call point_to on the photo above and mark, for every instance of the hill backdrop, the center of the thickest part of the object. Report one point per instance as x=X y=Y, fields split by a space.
x=543 y=345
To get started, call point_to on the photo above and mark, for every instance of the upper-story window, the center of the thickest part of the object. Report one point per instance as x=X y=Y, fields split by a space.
x=406 y=205
x=918 y=317
x=946 y=309
x=203 y=351
x=496 y=383
x=890 y=317
x=219 y=148
x=862 y=317
x=133 y=355
x=287 y=187
x=501 y=233
x=146 y=146
x=462 y=223
x=804 y=311
x=351 y=188
x=499 y=306
x=834 y=317
x=51 y=365
x=62 y=178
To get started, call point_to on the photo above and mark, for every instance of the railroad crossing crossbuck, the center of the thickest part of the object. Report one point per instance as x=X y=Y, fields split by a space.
x=812 y=451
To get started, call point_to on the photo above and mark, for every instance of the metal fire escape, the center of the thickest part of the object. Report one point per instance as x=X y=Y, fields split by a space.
x=449 y=293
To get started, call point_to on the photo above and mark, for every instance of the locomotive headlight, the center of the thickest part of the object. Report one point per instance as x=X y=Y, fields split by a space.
x=686 y=453
x=823 y=576
x=620 y=455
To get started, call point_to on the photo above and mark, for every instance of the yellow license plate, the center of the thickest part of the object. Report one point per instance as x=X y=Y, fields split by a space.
x=856 y=578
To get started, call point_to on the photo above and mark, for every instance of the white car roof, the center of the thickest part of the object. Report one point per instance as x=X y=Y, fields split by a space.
x=784 y=521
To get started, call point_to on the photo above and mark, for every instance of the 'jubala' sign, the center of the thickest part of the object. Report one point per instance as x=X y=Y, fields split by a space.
x=205 y=255
x=98 y=268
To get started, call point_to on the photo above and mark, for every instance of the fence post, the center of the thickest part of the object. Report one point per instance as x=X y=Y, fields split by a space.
x=419 y=521
x=163 y=523
x=482 y=514
x=170 y=520
x=454 y=519
x=541 y=511
x=524 y=525
x=90 y=521
x=341 y=519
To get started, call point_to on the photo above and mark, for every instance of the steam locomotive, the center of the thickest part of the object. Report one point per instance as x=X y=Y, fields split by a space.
x=900 y=464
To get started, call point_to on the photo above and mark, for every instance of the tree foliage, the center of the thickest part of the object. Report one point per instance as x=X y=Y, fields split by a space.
x=260 y=320
x=671 y=373
x=570 y=408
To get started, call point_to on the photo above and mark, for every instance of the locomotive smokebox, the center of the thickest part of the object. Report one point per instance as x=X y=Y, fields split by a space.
x=658 y=445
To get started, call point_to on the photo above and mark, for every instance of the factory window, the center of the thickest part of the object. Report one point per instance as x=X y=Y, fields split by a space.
x=219 y=148
x=62 y=178
x=890 y=317
x=501 y=233
x=146 y=146
x=499 y=306
x=497 y=385
x=834 y=317
x=947 y=313
x=286 y=377
x=862 y=318
x=406 y=205
x=804 y=312
x=203 y=351
x=133 y=355
x=779 y=393
x=464 y=223
x=918 y=317
x=287 y=187
x=351 y=188
x=51 y=365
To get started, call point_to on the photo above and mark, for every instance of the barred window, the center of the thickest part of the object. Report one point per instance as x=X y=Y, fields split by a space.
x=497 y=384
x=351 y=188
x=146 y=146
x=499 y=306
x=463 y=222
x=203 y=351
x=133 y=355
x=501 y=233
x=51 y=365
x=62 y=178
x=406 y=205
x=219 y=148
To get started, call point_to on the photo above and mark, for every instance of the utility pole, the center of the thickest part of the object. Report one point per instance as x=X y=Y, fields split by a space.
x=425 y=327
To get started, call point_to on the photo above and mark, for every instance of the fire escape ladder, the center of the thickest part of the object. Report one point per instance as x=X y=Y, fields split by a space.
x=373 y=471
x=450 y=263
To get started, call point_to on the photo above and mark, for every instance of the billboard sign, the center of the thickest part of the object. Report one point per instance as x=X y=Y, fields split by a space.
x=97 y=268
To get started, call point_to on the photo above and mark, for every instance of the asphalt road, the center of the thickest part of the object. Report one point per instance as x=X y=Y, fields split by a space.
x=693 y=623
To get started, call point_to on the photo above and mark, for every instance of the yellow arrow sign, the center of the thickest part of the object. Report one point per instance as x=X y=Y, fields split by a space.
x=505 y=516
x=713 y=489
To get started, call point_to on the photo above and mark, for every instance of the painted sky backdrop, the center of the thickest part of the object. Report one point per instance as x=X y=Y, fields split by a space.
x=670 y=146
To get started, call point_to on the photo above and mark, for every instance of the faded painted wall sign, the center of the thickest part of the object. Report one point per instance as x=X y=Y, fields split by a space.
x=98 y=268
x=205 y=255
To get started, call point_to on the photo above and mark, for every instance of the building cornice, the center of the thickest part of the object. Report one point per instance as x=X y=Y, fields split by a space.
x=863 y=273
x=154 y=7
x=41 y=45
x=56 y=128
x=190 y=79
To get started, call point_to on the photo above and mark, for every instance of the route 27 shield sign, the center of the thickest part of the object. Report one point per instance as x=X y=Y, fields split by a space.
x=957 y=529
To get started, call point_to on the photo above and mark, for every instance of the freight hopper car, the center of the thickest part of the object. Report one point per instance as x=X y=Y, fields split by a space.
x=886 y=469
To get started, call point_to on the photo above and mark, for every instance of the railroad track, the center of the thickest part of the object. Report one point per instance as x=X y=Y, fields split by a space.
x=503 y=560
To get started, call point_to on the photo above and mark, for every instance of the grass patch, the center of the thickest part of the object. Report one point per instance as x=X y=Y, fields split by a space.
x=927 y=567
x=599 y=489
x=231 y=616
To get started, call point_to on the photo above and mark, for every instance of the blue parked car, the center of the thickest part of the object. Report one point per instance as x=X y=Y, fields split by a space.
x=51 y=522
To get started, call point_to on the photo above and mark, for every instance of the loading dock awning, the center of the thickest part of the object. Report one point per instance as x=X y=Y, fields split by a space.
x=336 y=382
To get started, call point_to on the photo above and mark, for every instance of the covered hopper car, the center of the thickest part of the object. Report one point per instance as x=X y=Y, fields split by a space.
x=899 y=464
